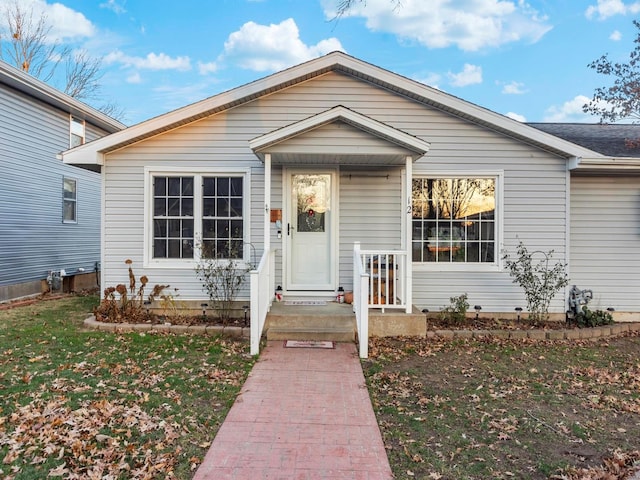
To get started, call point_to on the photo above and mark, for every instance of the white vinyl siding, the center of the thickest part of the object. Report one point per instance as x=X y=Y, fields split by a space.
x=371 y=208
x=605 y=240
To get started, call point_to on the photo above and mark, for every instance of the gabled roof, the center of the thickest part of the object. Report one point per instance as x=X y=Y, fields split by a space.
x=29 y=85
x=409 y=145
x=92 y=153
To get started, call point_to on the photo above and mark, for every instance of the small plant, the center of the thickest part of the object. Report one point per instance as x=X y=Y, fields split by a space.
x=128 y=306
x=539 y=282
x=593 y=318
x=222 y=279
x=456 y=312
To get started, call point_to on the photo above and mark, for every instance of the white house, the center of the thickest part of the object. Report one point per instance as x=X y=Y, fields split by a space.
x=293 y=171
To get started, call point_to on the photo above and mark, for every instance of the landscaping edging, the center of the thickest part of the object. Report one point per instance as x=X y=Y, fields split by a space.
x=229 y=331
x=538 y=334
x=233 y=331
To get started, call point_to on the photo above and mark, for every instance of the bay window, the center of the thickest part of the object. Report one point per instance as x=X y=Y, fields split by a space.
x=454 y=220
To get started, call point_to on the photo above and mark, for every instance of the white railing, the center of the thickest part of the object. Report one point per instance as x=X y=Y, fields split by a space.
x=387 y=271
x=379 y=282
x=361 y=300
x=262 y=292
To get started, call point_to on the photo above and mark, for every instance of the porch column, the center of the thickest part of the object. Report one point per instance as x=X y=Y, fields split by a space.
x=267 y=201
x=409 y=233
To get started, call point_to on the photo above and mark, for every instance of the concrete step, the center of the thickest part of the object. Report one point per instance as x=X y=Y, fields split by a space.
x=336 y=334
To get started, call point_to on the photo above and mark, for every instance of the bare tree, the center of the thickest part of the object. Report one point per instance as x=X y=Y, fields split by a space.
x=27 y=44
x=343 y=6
x=620 y=101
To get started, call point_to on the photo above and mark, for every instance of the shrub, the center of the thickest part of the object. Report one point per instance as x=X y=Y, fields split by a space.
x=222 y=279
x=593 y=318
x=539 y=282
x=456 y=312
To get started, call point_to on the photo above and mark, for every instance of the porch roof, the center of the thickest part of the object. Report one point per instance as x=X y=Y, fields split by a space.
x=339 y=136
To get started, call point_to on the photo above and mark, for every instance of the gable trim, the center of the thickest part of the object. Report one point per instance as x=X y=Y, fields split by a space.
x=419 y=147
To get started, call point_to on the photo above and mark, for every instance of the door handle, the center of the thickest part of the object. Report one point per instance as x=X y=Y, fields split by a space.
x=288 y=229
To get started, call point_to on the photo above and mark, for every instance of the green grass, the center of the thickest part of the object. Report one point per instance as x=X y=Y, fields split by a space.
x=74 y=401
x=504 y=409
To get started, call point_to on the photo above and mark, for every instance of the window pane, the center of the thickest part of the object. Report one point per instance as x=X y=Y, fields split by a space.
x=208 y=228
x=175 y=248
x=209 y=186
x=236 y=229
x=187 y=186
x=209 y=207
x=159 y=248
x=223 y=207
x=160 y=186
x=69 y=188
x=236 y=187
x=174 y=186
x=160 y=228
x=69 y=211
x=174 y=207
x=174 y=228
x=236 y=207
x=187 y=207
x=159 y=207
x=223 y=187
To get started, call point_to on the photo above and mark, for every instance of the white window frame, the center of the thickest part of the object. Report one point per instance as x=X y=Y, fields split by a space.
x=497 y=264
x=73 y=200
x=77 y=127
x=150 y=172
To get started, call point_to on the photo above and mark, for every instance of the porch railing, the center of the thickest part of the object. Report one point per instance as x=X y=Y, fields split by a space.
x=379 y=282
x=361 y=301
x=262 y=293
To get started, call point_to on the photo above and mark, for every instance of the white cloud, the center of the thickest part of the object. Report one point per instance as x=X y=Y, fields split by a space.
x=469 y=25
x=432 y=79
x=273 y=47
x=207 y=68
x=616 y=36
x=152 y=61
x=134 y=78
x=570 y=111
x=608 y=8
x=66 y=24
x=470 y=75
x=114 y=6
x=516 y=116
x=513 y=88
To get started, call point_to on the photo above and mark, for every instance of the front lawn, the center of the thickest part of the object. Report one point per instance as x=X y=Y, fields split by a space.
x=507 y=409
x=85 y=404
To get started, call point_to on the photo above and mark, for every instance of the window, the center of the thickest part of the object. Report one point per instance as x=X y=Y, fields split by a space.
x=454 y=220
x=77 y=132
x=173 y=217
x=69 y=200
x=198 y=209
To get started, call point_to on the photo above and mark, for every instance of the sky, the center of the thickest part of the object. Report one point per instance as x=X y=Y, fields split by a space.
x=524 y=59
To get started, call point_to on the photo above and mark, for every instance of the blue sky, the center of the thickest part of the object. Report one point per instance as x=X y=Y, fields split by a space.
x=527 y=60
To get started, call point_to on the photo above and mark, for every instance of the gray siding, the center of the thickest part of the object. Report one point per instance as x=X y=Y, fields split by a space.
x=370 y=209
x=605 y=240
x=33 y=239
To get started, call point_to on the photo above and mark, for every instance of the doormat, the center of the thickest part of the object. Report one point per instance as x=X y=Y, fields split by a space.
x=308 y=344
x=305 y=302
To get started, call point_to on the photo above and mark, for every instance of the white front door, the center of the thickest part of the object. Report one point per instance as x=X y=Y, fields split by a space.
x=310 y=232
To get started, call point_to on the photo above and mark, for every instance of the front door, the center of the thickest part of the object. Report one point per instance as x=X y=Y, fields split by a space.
x=310 y=237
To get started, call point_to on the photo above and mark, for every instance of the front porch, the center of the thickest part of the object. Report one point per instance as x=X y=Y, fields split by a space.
x=381 y=305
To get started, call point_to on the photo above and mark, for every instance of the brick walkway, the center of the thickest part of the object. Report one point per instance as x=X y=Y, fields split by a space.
x=303 y=413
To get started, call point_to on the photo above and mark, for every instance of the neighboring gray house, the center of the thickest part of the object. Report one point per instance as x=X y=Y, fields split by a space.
x=337 y=173
x=49 y=211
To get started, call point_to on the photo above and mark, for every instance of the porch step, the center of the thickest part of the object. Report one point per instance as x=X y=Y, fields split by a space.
x=336 y=334
x=331 y=321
